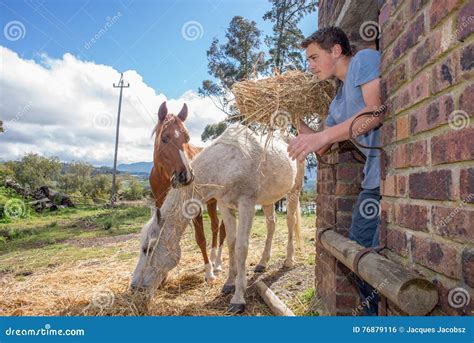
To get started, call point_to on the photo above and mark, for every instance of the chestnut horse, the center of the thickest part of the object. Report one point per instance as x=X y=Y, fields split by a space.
x=172 y=151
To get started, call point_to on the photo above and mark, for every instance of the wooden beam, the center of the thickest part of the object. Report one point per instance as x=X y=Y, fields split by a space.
x=406 y=289
x=270 y=298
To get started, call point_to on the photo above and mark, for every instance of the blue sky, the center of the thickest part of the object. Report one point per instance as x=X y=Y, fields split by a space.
x=59 y=59
x=145 y=36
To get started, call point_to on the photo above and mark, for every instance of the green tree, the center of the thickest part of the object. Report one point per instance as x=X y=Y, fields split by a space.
x=284 y=44
x=134 y=191
x=34 y=171
x=213 y=131
x=237 y=59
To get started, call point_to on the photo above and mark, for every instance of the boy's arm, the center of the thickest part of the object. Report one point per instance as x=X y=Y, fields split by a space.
x=305 y=129
x=320 y=142
x=340 y=132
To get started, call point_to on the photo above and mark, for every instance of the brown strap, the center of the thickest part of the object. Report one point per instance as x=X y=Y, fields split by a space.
x=320 y=233
x=362 y=253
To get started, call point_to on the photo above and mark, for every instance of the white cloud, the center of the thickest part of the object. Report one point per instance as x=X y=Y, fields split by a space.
x=67 y=108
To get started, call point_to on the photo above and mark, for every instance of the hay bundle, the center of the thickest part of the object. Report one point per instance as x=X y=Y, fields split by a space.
x=283 y=99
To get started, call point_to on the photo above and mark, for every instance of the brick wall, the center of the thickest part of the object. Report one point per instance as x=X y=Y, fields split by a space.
x=337 y=189
x=428 y=133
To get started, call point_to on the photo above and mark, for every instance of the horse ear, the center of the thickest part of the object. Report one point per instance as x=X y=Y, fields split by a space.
x=163 y=111
x=183 y=114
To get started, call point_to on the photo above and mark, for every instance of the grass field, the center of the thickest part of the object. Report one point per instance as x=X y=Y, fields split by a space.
x=74 y=261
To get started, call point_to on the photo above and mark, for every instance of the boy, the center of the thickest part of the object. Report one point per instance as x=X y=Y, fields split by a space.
x=329 y=54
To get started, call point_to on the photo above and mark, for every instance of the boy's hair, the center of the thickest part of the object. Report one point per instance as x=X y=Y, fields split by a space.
x=327 y=37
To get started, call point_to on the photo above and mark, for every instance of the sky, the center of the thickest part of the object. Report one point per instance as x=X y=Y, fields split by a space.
x=59 y=60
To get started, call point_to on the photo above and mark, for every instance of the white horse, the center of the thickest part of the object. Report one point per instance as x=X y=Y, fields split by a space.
x=239 y=170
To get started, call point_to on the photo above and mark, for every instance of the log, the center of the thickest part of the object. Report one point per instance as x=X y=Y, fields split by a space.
x=406 y=289
x=270 y=298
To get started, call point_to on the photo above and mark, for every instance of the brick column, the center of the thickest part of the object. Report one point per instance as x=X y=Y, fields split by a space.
x=337 y=190
x=428 y=133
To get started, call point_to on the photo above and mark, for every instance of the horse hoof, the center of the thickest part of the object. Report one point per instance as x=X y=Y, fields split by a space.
x=217 y=269
x=259 y=269
x=236 y=308
x=227 y=289
x=289 y=264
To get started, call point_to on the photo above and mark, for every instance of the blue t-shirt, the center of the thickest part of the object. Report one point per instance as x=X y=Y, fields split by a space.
x=363 y=67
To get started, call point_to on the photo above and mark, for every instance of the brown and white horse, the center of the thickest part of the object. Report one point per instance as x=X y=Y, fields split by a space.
x=172 y=151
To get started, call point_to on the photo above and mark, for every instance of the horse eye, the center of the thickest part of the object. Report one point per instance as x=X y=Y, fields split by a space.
x=165 y=140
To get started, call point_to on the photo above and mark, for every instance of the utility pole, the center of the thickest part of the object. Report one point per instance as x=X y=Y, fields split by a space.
x=121 y=86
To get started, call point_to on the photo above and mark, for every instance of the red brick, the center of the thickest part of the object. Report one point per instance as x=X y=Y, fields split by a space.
x=426 y=52
x=417 y=154
x=419 y=88
x=414 y=7
x=436 y=185
x=396 y=77
x=437 y=256
x=454 y=146
x=347 y=189
x=402 y=127
x=410 y=38
x=397 y=241
x=414 y=217
x=467 y=59
x=394 y=28
x=387 y=133
x=467 y=265
x=455 y=222
x=394 y=185
x=444 y=287
x=384 y=15
x=410 y=155
x=345 y=204
x=432 y=115
x=446 y=73
x=440 y=9
x=466 y=185
x=466 y=100
x=349 y=173
x=465 y=22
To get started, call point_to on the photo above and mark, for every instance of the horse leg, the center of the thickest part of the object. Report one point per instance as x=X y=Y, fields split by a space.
x=270 y=217
x=291 y=221
x=218 y=264
x=228 y=215
x=201 y=242
x=246 y=214
x=212 y=210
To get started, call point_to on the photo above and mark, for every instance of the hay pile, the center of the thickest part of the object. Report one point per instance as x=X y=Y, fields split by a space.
x=283 y=99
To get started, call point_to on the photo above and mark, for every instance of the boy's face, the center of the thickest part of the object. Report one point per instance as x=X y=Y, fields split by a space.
x=321 y=62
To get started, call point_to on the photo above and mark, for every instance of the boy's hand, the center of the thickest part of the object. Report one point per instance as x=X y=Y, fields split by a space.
x=305 y=144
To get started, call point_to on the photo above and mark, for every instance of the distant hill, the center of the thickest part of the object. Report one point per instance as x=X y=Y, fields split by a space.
x=136 y=168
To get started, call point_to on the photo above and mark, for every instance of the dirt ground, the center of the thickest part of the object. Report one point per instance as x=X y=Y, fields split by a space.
x=97 y=283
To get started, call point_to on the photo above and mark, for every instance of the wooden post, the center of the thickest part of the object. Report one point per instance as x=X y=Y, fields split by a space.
x=411 y=293
x=270 y=298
